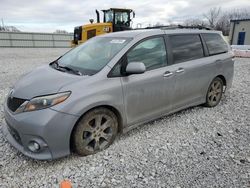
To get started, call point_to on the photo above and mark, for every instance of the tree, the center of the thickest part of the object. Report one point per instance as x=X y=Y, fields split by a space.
x=212 y=16
x=61 y=31
x=223 y=23
x=238 y=14
x=194 y=22
x=9 y=29
x=158 y=24
x=220 y=20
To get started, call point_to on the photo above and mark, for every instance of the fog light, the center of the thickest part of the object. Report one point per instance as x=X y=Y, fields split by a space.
x=34 y=146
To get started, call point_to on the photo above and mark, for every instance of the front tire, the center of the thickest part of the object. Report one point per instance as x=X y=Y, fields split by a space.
x=214 y=93
x=96 y=131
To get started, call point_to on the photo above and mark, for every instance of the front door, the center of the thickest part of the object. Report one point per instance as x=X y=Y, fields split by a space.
x=148 y=95
x=241 y=38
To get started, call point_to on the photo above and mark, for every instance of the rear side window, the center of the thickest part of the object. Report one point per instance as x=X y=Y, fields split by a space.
x=186 y=47
x=215 y=43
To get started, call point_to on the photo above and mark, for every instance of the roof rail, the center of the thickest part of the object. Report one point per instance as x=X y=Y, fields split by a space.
x=195 y=27
x=165 y=27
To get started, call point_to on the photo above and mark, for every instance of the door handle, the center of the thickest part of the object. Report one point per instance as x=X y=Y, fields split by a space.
x=218 y=60
x=167 y=74
x=180 y=70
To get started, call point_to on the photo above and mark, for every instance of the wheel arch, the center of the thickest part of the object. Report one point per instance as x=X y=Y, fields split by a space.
x=111 y=108
x=223 y=79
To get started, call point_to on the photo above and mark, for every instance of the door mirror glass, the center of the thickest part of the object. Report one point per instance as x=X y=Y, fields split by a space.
x=135 y=68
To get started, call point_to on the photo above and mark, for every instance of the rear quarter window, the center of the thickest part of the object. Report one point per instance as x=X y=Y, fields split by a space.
x=215 y=43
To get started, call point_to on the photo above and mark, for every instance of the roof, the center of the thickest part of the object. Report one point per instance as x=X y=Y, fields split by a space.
x=238 y=20
x=148 y=32
x=118 y=9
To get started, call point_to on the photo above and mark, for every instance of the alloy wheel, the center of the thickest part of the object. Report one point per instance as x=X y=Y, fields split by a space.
x=97 y=133
x=215 y=92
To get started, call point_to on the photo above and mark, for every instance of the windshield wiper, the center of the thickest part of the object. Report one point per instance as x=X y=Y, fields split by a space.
x=71 y=70
x=65 y=68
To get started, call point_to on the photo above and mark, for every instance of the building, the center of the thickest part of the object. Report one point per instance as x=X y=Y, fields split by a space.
x=239 y=32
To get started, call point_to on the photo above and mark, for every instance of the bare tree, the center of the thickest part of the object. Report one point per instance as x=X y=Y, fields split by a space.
x=223 y=23
x=158 y=24
x=212 y=16
x=194 y=22
x=238 y=14
x=9 y=29
x=58 y=31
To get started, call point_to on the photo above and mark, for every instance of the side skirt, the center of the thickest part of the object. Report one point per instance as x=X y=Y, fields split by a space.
x=128 y=128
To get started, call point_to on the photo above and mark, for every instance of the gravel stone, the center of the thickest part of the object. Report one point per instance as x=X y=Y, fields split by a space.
x=197 y=147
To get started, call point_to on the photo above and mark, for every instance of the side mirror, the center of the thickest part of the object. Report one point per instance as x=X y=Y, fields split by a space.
x=135 y=68
x=133 y=14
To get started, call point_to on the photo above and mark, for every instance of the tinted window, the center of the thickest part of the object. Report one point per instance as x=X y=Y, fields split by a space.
x=151 y=52
x=215 y=43
x=186 y=47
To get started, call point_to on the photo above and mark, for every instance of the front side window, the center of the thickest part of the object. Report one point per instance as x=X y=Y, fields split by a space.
x=186 y=47
x=151 y=52
x=109 y=16
x=90 y=57
x=215 y=43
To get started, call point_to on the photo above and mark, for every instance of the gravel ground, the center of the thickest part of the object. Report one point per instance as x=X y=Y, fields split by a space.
x=197 y=147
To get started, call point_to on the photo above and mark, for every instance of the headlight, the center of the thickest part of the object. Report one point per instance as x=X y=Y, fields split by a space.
x=42 y=102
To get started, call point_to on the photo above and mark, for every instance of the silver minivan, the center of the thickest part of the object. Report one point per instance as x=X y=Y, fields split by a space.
x=111 y=84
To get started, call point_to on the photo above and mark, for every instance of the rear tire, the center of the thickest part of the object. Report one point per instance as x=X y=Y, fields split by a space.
x=96 y=131
x=214 y=93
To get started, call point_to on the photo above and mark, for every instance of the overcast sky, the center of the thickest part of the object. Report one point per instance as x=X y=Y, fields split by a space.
x=50 y=15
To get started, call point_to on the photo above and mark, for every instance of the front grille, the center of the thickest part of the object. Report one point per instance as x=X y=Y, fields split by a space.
x=15 y=134
x=13 y=103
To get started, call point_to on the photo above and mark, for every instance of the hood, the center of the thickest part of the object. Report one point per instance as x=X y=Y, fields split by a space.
x=42 y=81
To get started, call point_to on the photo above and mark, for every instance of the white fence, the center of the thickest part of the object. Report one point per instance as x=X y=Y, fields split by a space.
x=35 y=40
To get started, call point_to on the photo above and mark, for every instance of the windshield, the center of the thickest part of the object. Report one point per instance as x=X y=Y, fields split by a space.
x=90 y=57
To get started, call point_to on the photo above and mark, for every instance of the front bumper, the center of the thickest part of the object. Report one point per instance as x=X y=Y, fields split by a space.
x=49 y=128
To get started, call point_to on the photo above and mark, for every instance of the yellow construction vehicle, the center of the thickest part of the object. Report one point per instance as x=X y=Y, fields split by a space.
x=114 y=19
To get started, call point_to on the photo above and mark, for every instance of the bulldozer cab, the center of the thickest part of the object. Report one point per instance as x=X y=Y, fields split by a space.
x=120 y=18
x=114 y=19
